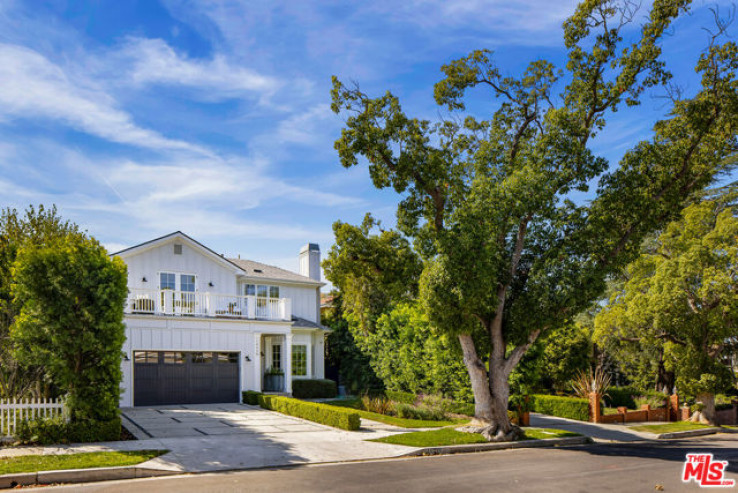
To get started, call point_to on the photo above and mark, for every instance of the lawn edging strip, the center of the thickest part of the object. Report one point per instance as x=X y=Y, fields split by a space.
x=81 y=475
x=484 y=447
x=688 y=433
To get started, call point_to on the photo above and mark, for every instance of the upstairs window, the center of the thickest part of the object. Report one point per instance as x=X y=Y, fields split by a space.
x=187 y=282
x=261 y=291
x=167 y=280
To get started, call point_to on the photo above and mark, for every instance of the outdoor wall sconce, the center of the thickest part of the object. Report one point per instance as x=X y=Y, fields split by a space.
x=211 y=284
x=144 y=280
x=125 y=357
x=247 y=358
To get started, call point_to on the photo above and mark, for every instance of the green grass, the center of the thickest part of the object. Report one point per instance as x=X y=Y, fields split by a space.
x=33 y=463
x=451 y=436
x=670 y=427
x=392 y=420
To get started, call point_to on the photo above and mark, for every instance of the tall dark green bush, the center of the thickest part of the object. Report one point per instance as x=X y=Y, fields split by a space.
x=71 y=322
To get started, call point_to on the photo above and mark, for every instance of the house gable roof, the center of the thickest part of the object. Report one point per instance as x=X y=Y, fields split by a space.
x=178 y=235
x=247 y=268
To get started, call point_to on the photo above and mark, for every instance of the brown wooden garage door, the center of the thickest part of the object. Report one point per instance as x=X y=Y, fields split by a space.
x=178 y=377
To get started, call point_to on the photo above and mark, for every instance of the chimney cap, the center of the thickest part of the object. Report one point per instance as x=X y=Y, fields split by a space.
x=313 y=247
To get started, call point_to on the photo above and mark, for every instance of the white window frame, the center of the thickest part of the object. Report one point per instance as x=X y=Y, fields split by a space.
x=177 y=279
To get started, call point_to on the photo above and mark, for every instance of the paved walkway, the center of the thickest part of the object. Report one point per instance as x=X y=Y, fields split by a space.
x=598 y=432
x=234 y=436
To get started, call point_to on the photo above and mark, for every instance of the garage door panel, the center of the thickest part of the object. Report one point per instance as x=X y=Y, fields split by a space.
x=176 y=377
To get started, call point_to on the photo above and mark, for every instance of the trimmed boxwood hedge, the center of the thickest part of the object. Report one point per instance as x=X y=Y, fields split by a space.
x=563 y=407
x=251 y=397
x=344 y=418
x=55 y=430
x=314 y=388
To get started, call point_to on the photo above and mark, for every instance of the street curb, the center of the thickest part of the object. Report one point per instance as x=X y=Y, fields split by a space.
x=484 y=447
x=81 y=475
x=688 y=433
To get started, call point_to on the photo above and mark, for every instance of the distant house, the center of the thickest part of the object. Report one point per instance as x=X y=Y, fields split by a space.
x=201 y=328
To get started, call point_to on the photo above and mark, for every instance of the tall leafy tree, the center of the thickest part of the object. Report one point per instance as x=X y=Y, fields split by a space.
x=71 y=321
x=485 y=201
x=681 y=296
x=37 y=226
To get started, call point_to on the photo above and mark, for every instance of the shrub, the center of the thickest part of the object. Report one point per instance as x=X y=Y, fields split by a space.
x=621 y=397
x=379 y=404
x=461 y=408
x=343 y=418
x=404 y=397
x=56 y=430
x=251 y=397
x=655 y=400
x=314 y=388
x=723 y=402
x=406 y=411
x=563 y=407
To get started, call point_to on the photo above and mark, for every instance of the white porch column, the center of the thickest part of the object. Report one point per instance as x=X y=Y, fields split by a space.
x=309 y=358
x=287 y=363
x=256 y=363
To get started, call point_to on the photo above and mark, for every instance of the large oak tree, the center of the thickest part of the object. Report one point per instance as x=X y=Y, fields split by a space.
x=506 y=256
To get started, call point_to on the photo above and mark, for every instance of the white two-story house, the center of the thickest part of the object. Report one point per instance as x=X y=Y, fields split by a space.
x=201 y=328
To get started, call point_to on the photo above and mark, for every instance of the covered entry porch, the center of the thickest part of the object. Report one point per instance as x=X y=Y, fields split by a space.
x=287 y=357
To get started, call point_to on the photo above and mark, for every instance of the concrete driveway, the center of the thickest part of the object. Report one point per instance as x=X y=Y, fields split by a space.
x=210 y=419
x=218 y=437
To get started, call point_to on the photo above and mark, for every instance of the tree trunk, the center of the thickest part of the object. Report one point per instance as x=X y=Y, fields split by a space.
x=707 y=415
x=491 y=394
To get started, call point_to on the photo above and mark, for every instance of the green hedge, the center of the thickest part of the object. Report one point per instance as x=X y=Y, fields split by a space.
x=55 y=430
x=251 y=397
x=344 y=418
x=563 y=407
x=399 y=396
x=314 y=388
x=621 y=397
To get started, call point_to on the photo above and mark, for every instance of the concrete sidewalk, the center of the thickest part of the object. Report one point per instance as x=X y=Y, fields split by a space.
x=597 y=431
x=214 y=438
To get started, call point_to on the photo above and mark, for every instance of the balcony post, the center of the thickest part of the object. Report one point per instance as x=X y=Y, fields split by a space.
x=251 y=304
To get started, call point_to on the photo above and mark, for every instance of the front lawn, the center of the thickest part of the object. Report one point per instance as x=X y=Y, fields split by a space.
x=451 y=436
x=392 y=420
x=670 y=427
x=34 y=463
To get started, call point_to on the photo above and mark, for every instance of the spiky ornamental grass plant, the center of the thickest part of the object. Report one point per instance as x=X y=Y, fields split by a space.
x=505 y=255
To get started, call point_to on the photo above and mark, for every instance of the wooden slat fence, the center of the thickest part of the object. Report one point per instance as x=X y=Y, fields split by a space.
x=15 y=411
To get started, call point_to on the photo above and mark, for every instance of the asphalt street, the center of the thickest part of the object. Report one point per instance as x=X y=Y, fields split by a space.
x=626 y=467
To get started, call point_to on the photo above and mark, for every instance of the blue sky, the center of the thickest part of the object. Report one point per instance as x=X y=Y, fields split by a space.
x=139 y=118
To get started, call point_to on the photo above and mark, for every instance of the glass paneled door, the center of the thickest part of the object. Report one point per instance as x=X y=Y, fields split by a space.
x=178 y=293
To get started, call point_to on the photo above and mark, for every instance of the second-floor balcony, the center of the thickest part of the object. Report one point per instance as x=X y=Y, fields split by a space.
x=206 y=304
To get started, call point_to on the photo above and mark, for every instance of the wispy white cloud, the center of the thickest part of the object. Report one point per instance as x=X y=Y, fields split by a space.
x=31 y=86
x=153 y=61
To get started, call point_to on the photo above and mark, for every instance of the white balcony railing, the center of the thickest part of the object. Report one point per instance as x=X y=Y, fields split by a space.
x=186 y=303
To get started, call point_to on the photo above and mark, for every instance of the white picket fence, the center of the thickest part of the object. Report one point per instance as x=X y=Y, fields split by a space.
x=15 y=411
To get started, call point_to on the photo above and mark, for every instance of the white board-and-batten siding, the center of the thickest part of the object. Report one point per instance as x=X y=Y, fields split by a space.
x=148 y=333
x=149 y=263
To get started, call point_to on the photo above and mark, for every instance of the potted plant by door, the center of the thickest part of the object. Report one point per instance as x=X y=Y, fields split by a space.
x=274 y=380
